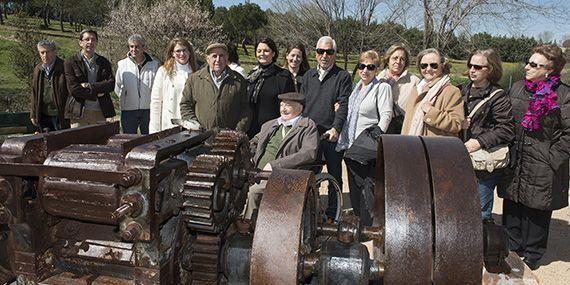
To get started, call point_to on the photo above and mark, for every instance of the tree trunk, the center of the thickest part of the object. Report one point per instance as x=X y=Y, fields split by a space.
x=61 y=18
x=1 y=14
x=244 y=47
x=428 y=24
x=46 y=14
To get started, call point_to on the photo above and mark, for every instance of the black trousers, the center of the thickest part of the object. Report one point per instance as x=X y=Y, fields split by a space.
x=361 y=187
x=333 y=161
x=528 y=229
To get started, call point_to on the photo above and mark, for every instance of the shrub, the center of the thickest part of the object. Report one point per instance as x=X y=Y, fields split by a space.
x=24 y=56
x=158 y=23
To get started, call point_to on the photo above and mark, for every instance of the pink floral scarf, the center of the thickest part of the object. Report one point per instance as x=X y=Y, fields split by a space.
x=542 y=102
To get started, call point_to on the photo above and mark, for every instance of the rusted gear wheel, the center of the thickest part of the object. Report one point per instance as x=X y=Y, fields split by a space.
x=206 y=193
x=234 y=145
x=215 y=192
x=286 y=228
x=205 y=259
x=427 y=202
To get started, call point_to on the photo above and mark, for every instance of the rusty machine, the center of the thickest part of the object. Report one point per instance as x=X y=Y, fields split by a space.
x=92 y=206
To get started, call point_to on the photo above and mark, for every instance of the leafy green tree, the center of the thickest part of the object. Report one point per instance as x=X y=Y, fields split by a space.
x=241 y=21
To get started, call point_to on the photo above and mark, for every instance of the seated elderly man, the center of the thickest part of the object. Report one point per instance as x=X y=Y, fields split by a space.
x=289 y=141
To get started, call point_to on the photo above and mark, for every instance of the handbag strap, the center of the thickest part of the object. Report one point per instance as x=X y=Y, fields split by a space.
x=482 y=102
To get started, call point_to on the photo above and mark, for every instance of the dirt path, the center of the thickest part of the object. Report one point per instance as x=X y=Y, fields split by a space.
x=555 y=265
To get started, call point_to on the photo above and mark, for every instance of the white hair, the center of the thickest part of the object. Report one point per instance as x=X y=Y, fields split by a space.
x=47 y=44
x=326 y=39
x=137 y=38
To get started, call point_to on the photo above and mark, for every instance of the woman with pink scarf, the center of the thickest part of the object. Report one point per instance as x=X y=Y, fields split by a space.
x=537 y=182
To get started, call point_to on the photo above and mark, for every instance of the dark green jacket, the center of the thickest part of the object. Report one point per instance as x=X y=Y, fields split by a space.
x=227 y=107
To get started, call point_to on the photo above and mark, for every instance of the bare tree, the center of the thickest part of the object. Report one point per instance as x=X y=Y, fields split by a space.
x=351 y=23
x=443 y=18
x=158 y=23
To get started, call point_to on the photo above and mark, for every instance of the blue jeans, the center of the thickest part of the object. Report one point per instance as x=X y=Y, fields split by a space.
x=133 y=119
x=486 y=190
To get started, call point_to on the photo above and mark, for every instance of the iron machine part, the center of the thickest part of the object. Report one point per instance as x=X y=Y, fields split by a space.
x=92 y=206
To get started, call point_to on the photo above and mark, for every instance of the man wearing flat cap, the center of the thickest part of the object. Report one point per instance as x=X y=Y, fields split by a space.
x=215 y=96
x=289 y=141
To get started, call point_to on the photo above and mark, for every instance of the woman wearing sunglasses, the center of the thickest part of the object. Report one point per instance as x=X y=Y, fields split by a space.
x=538 y=182
x=396 y=61
x=492 y=122
x=369 y=105
x=266 y=81
x=435 y=107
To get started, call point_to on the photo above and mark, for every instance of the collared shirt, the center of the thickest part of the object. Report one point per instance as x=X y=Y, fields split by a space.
x=323 y=72
x=141 y=64
x=92 y=69
x=289 y=123
x=218 y=79
x=47 y=69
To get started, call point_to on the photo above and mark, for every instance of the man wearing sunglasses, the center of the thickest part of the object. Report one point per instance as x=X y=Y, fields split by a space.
x=324 y=87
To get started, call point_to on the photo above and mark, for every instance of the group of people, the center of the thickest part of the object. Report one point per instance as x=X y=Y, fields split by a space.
x=299 y=117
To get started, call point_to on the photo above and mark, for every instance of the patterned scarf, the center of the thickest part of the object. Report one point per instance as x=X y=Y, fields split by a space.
x=542 y=102
x=257 y=77
x=348 y=133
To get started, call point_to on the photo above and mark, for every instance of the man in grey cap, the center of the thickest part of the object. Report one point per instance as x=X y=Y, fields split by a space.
x=289 y=141
x=215 y=96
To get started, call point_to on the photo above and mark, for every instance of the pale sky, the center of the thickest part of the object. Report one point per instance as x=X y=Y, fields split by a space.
x=533 y=27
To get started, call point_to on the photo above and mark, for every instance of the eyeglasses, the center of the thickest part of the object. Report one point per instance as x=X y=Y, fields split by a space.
x=433 y=65
x=181 y=51
x=534 y=64
x=327 y=51
x=371 y=67
x=475 y=66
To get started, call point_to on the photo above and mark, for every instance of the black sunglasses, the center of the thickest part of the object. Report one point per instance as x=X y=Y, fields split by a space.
x=433 y=65
x=327 y=51
x=534 y=64
x=362 y=66
x=476 y=66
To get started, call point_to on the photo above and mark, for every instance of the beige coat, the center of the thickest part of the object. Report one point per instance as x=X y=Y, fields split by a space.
x=444 y=118
x=401 y=90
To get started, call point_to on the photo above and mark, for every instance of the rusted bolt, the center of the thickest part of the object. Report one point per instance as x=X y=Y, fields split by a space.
x=372 y=233
x=310 y=265
x=349 y=229
x=131 y=206
x=132 y=231
x=131 y=177
x=377 y=269
x=5 y=216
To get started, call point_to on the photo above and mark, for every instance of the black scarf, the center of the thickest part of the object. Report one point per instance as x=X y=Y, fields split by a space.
x=257 y=77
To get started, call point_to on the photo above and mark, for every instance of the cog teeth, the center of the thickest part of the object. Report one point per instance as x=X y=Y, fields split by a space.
x=204 y=175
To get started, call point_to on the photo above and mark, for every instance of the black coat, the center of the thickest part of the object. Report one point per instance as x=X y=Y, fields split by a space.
x=320 y=97
x=539 y=179
x=75 y=74
x=492 y=124
x=265 y=106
